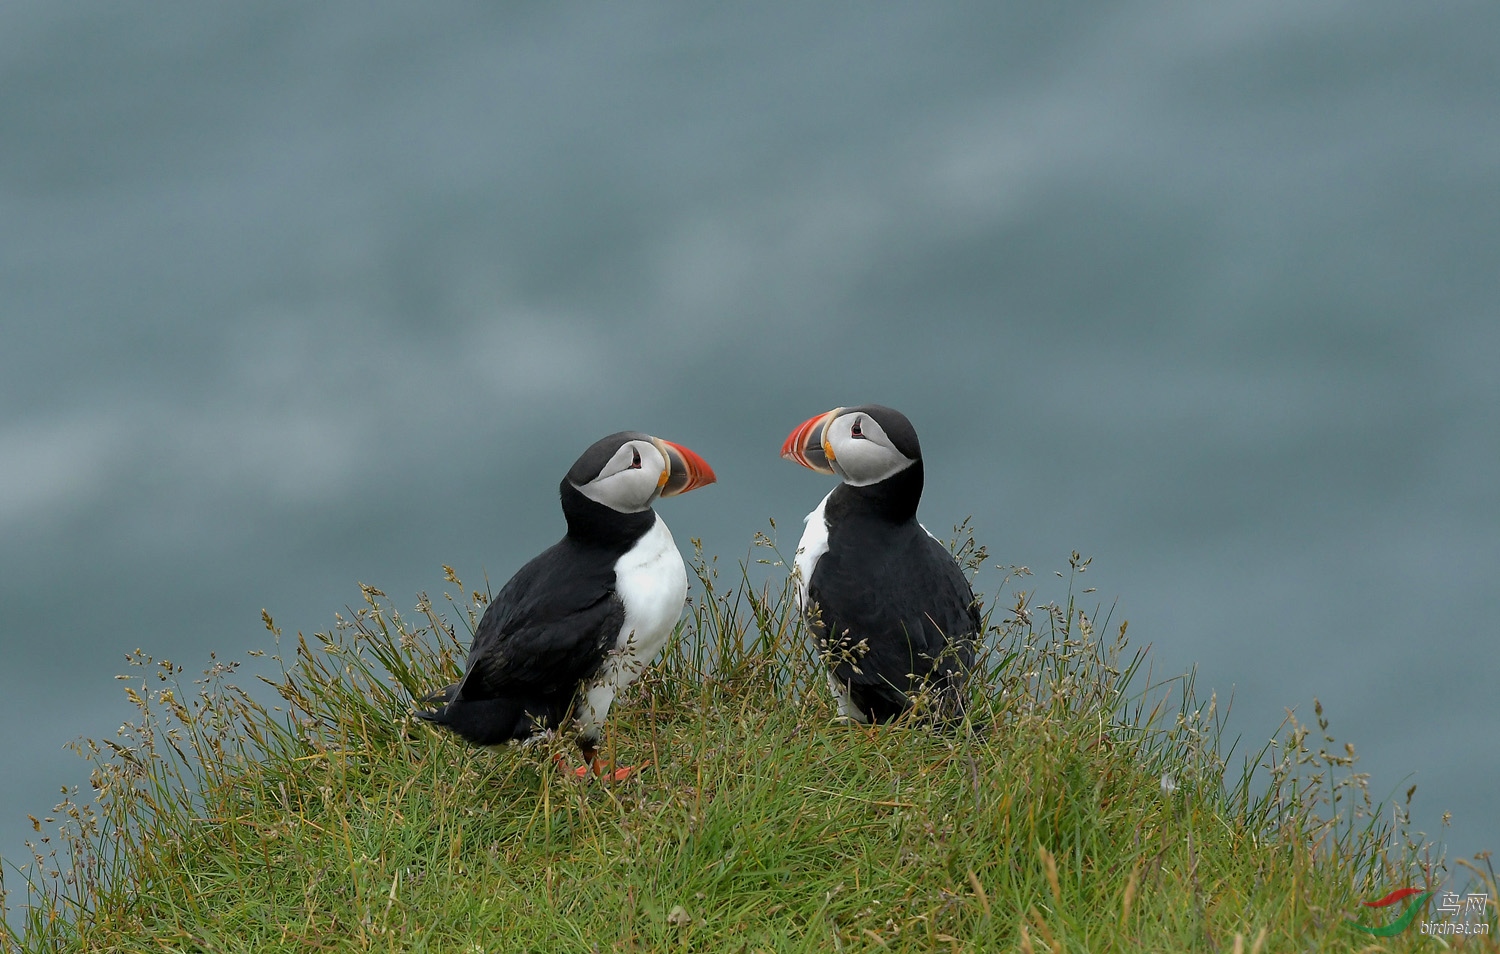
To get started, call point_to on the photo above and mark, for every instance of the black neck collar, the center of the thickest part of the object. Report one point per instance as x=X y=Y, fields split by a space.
x=894 y=499
x=593 y=524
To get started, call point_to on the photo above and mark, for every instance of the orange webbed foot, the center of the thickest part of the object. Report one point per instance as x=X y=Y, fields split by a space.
x=598 y=767
x=620 y=774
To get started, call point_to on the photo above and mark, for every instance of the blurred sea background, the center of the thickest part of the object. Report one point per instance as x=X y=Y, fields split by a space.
x=294 y=296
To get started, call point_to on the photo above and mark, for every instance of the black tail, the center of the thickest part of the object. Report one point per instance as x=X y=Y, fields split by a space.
x=438 y=701
x=489 y=721
x=941 y=700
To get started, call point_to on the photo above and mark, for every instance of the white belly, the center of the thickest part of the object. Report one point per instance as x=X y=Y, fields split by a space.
x=810 y=549
x=652 y=583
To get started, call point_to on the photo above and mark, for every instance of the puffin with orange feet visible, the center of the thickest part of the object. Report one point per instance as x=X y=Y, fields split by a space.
x=893 y=613
x=580 y=621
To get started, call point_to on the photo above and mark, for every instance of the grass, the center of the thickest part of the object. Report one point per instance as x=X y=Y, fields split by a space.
x=1094 y=815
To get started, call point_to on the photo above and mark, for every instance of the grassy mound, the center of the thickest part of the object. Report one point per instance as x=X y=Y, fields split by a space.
x=1093 y=814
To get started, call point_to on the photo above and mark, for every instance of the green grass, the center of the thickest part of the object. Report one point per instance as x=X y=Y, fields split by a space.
x=1094 y=814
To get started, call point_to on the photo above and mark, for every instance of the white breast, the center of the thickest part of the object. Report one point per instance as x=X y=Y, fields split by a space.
x=810 y=549
x=652 y=583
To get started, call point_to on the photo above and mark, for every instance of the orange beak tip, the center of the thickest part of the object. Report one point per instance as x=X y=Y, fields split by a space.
x=789 y=446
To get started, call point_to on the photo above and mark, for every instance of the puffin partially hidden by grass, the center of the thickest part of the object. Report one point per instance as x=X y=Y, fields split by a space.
x=581 y=620
x=894 y=615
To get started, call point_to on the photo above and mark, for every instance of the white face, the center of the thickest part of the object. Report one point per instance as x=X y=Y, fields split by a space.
x=862 y=454
x=631 y=480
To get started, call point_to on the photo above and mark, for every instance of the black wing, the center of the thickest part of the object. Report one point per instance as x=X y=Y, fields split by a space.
x=906 y=600
x=548 y=628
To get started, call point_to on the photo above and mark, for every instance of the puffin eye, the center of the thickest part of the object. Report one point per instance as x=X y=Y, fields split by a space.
x=635 y=459
x=857 y=430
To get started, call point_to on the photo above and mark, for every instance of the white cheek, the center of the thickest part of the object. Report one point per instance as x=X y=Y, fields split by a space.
x=629 y=491
x=866 y=462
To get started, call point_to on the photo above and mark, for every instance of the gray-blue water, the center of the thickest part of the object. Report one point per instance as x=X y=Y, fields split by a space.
x=297 y=295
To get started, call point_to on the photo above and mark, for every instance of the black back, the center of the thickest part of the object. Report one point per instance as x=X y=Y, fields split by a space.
x=549 y=628
x=886 y=583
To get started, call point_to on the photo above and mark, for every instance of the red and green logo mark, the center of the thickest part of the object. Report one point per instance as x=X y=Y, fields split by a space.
x=1401 y=923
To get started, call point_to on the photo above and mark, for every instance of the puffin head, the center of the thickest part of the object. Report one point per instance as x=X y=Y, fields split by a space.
x=861 y=445
x=627 y=471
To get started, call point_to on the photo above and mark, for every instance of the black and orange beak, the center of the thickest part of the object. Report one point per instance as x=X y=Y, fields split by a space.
x=685 y=469
x=808 y=446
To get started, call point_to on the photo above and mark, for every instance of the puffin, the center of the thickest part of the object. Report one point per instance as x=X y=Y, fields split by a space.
x=579 y=622
x=893 y=615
